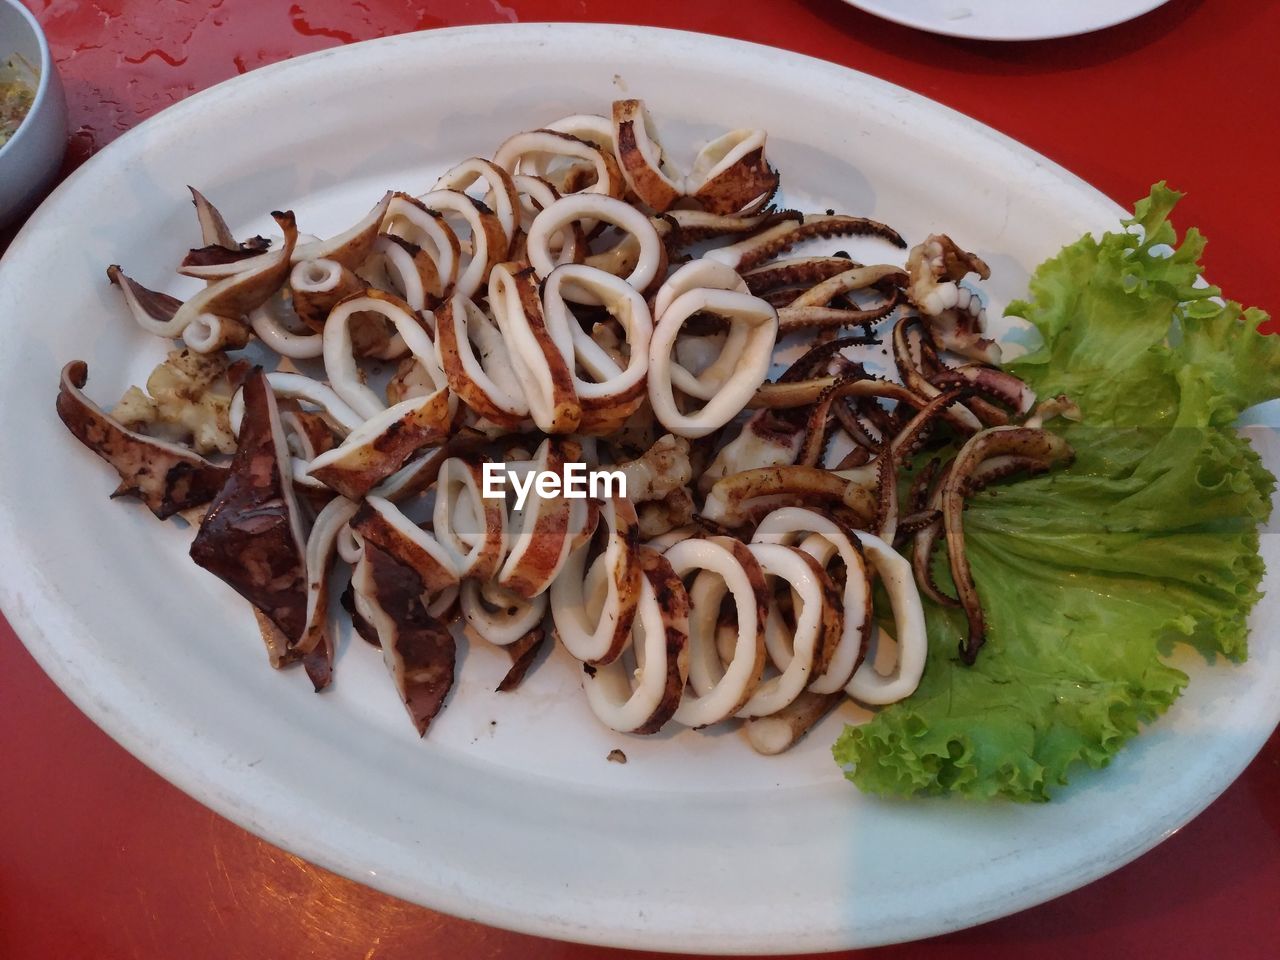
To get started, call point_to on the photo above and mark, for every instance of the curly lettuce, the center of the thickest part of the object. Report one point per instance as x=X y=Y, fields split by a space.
x=1089 y=575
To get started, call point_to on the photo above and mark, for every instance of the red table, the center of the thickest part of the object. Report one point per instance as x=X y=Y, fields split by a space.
x=101 y=858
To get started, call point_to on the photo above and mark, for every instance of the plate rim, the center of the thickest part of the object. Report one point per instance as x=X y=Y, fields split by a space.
x=941 y=28
x=197 y=783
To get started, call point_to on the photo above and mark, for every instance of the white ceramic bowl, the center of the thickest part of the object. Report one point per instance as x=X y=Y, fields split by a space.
x=31 y=157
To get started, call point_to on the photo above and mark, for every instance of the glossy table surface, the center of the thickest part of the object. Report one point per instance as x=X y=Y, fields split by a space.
x=101 y=858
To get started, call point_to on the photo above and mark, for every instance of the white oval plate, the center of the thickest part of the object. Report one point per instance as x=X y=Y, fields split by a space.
x=509 y=812
x=1008 y=19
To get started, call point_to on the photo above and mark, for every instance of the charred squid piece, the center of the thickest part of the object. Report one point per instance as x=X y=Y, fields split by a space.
x=1034 y=450
x=1059 y=406
x=544 y=364
x=252 y=537
x=352 y=246
x=640 y=156
x=501 y=197
x=728 y=501
x=382 y=445
x=767 y=244
x=731 y=175
x=953 y=315
x=417 y=648
x=355 y=607
x=471 y=528
x=609 y=388
x=489 y=241
x=213 y=319
x=992 y=383
x=408 y=270
x=643 y=700
x=316 y=645
x=640 y=258
x=523 y=653
x=540 y=544
x=809 y=643
x=221 y=254
x=187 y=401
x=497 y=615
x=925 y=542
x=824 y=540
x=213 y=228
x=477 y=363
x=166 y=477
x=381 y=523
x=726 y=383
x=861 y=386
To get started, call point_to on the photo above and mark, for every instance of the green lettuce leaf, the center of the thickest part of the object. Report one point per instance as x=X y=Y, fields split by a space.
x=1089 y=575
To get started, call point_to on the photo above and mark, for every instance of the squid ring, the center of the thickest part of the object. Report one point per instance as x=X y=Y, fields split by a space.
x=758 y=322
x=695 y=274
x=489 y=241
x=498 y=615
x=641 y=702
x=640 y=156
x=565 y=211
x=817 y=629
x=543 y=363
x=616 y=393
x=825 y=539
x=339 y=358
x=868 y=684
x=297 y=387
x=537 y=144
x=502 y=195
x=478 y=381
x=602 y=641
x=726 y=565
x=472 y=529
x=407 y=219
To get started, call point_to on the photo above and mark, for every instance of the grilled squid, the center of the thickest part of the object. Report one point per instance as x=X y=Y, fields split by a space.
x=649 y=255
x=730 y=174
x=167 y=477
x=598 y=637
x=532 y=151
x=816 y=632
x=954 y=314
x=213 y=319
x=640 y=156
x=614 y=392
x=252 y=537
x=469 y=527
x=640 y=696
x=825 y=541
x=407 y=219
x=542 y=363
x=723 y=566
x=477 y=364
x=727 y=383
